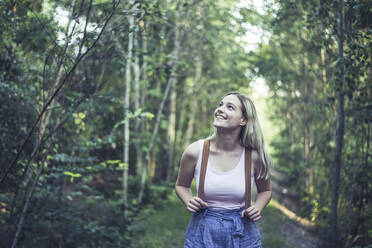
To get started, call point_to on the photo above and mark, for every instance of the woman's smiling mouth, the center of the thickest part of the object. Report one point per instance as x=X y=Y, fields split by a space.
x=218 y=116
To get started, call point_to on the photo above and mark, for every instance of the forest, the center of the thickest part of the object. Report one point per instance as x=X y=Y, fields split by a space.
x=99 y=99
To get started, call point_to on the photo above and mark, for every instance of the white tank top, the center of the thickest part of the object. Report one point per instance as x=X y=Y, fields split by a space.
x=223 y=190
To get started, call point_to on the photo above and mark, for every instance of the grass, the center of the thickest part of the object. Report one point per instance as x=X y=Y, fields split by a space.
x=270 y=225
x=162 y=227
x=165 y=227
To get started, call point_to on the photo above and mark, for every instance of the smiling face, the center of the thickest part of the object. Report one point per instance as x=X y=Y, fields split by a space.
x=229 y=113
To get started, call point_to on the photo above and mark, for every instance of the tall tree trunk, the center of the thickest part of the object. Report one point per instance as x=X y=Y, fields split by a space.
x=307 y=99
x=171 y=133
x=194 y=103
x=340 y=128
x=161 y=49
x=197 y=82
x=33 y=186
x=143 y=95
x=152 y=164
x=323 y=66
x=137 y=88
x=52 y=225
x=364 y=186
x=128 y=66
x=173 y=78
x=356 y=169
x=306 y=93
x=326 y=53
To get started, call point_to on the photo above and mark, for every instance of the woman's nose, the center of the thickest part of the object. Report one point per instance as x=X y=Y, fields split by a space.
x=220 y=110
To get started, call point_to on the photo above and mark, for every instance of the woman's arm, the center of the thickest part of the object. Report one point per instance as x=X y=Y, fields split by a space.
x=262 y=199
x=185 y=176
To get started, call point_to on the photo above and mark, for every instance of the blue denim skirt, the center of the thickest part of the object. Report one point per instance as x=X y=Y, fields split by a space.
x=216 y=228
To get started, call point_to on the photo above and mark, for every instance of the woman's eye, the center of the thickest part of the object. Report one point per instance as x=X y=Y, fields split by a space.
x=230 y=107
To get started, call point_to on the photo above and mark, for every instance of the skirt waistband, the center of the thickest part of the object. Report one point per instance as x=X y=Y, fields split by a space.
x=204 y=230
x=228 y=215
x=221 y=212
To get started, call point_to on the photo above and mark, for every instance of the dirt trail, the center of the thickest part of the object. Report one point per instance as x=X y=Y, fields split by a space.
x=298 y=237
x=297 y=230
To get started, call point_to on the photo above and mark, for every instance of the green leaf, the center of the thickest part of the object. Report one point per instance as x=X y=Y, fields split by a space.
x=68 y=173
x=81 y=115
x=147 y=115
x=122 y=166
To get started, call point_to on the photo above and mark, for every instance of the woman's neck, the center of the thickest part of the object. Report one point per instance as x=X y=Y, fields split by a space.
x=227 y=141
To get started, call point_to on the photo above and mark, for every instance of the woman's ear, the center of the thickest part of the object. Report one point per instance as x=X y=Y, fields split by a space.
x=243 y=121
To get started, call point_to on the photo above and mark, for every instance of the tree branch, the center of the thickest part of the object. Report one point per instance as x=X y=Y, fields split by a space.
x=50 y=100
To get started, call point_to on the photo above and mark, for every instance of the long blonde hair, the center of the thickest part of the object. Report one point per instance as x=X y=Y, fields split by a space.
x=251 y=135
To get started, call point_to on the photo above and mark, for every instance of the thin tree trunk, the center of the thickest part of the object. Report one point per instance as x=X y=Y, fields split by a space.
x=194 y=103
x=171 y=132
x=324 y=52
x=353 y=185
x=173 y=79
x=143 y=96
x=59 y=201
x=152 y=167
x=323 y=67
x=25 y=207
x=197 y=82
x=307 y=92
x=358 y=219
x=180 y=133
x=161 y=47
x=126 y=113
x=137 y=92
x=340 y=129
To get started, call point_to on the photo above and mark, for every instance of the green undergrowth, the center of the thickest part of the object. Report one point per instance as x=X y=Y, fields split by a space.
x=165 y=226
x=270 y=225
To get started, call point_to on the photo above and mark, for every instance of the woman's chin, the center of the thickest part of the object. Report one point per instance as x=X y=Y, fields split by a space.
x=219 y=126
x=219 y=123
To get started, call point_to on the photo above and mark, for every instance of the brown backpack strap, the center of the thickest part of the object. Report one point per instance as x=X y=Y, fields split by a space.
x=203 y=169
x=247 y=177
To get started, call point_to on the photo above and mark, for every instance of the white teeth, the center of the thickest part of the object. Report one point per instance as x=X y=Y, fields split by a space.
x=220 y=117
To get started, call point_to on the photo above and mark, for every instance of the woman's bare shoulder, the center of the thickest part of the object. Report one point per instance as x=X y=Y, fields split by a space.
x=192 y=151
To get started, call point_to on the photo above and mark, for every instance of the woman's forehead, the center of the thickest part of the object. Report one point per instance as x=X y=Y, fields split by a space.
x=232 y=99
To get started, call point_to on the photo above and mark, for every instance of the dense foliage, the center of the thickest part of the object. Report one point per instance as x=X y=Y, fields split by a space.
x=63 y=82
x=302 y=66
x=100 y=98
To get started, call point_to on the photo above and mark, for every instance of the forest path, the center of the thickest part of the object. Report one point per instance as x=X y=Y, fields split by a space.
x=165 y=227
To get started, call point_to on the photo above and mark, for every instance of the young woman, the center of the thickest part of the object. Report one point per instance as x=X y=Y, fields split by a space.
x=222 y=212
